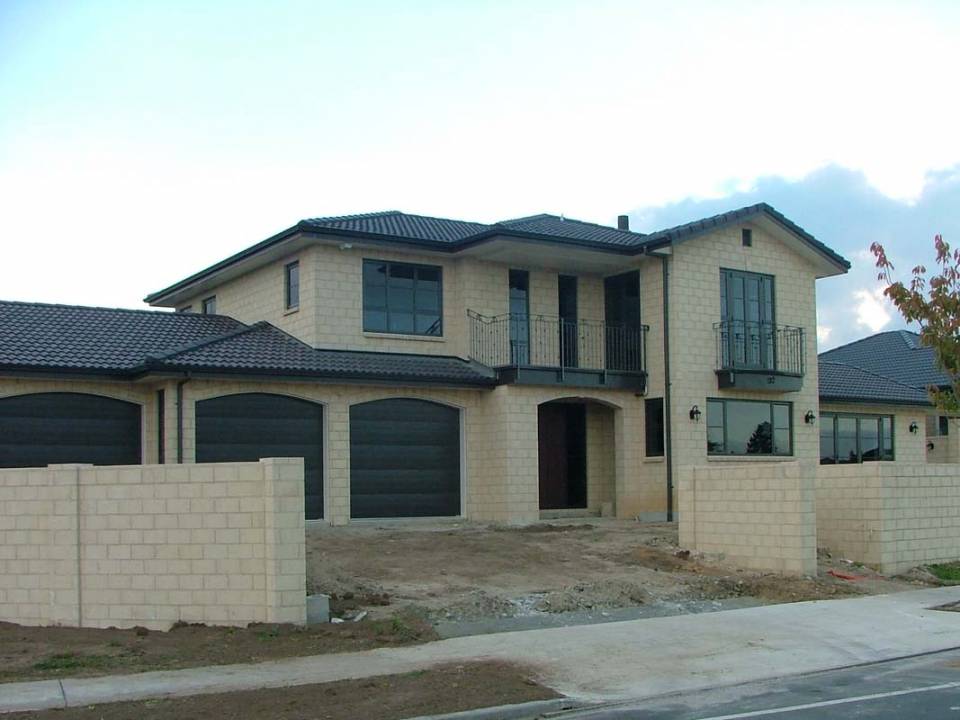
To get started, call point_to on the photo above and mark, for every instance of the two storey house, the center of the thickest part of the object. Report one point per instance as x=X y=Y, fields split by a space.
x=426 y=367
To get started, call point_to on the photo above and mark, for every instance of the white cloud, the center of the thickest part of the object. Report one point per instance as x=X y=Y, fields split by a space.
x=823 y=333
x=871 y=309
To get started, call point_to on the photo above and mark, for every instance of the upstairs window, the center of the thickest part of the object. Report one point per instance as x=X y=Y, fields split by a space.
x=291 y=285
x=653 y=411
x=209 y=305
x=746 y=237
x=402 y=298
x=848 y=439
x=749 y=427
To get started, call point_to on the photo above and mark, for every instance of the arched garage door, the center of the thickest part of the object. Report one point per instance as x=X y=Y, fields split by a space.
x=251 y=426
x=46 y=428
x=404 y=459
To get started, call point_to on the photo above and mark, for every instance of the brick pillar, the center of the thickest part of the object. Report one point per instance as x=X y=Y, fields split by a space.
x=285 y=541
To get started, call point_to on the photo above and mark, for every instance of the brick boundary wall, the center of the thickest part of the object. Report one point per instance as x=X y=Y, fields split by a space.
x=758 y=516
x=890 y=516
x=152 y=545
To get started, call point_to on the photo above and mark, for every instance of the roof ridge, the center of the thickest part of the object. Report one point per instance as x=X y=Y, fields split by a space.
x=146 y=311
x=389 y=352
x=564 y=218
x=860 y=340
x=389 y=213
x=874 y=373
x=204 y=342
x=357 y=216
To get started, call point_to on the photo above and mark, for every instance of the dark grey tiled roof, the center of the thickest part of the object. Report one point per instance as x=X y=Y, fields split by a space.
x=394 y=223
x=705 y=225
x=126 y=343
x=96 y=339
x=840 y=382
x=556 y=226
x=263 y=348
x=896 y=354
x=451 y=235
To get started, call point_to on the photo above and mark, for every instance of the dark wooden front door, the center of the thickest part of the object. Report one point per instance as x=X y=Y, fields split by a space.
x=563 y=456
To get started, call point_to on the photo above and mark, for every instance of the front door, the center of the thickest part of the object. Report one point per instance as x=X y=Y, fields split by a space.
x=563 y=456
x=567 y=304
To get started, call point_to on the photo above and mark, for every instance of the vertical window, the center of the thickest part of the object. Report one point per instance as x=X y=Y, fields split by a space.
x=291 y=285
x=209 y=305
x=746 y=237
x=519 y=317
x=747 y=314
x=402 y=298
x=749 y=427
x=653 y=411
x=944 y=425
x=846 y=439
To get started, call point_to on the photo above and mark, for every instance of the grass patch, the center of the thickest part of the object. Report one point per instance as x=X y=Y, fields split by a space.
x=948 y=572
x=71 y=661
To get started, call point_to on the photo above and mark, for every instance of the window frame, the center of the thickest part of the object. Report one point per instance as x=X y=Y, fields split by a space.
x=834 y=417
x=212 y=302
x=390 y=264
x=659 y=445
x=288 y=304
x=724 y=402
x=746 y=237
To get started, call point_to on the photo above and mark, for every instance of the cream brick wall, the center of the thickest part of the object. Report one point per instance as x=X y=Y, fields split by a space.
x=695 y=307
x=153 y=545
x=601 y=457
x=892 y=516
x=908 y=448
x=757 y=515
x=946 y=448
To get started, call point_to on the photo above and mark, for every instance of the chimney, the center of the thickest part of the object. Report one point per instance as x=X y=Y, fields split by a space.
x=623 y=222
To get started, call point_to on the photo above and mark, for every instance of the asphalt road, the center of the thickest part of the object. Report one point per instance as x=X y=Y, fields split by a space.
x=926 y=688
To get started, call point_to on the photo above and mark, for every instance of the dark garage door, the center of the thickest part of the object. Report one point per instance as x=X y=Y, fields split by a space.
x=243 y=428
x=46 y=428
x=404 y=459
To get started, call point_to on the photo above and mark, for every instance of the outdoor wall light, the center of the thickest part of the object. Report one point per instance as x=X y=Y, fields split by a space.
x=695 y=413
x=914 y=428
x=809 y=417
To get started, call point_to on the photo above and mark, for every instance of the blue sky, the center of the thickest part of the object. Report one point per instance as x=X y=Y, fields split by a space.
x=142 y=141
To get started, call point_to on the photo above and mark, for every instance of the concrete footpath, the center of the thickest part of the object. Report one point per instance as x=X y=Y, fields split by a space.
x=613 y=661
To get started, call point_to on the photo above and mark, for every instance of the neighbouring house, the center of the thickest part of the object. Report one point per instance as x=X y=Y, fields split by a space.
x=875 y=405
x=431 y=367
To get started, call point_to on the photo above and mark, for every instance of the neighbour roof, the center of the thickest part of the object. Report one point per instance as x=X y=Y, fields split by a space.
x=897 y=354
x=845 y=383
x=448 y=235
x=37 y=337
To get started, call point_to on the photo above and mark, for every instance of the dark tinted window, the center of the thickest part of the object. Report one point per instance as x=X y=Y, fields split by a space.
x=209 y=305
x=746 y=237
x=402 y=298
x=292 y=285
x=747 y=427
x=653 y=408
x=944 y=425
x=855 y=438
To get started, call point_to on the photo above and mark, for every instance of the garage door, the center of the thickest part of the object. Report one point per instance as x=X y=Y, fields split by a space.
x=404 y=459
x=45 y=428
x=247 y=427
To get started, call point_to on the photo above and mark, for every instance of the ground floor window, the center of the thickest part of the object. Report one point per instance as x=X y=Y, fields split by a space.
x=846 y=438
x=749 y=427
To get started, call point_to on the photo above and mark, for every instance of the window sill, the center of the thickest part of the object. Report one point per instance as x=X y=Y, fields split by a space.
x=750 y=458
x=654 y=459
x=291 y=311
x=402 y=336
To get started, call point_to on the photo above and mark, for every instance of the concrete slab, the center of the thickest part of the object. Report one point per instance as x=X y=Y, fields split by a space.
x=613 y=661
x=40 y=695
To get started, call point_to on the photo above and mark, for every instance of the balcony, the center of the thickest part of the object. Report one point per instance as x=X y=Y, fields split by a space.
x=546 y=350
x=759 y=356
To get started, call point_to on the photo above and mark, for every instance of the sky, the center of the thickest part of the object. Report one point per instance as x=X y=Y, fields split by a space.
x=140 y=142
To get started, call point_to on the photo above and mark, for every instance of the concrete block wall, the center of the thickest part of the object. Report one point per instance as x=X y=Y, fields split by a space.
x=152 y=545
x=891 y=516
x=757 y=516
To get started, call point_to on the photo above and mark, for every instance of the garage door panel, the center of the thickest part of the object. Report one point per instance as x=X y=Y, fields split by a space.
x=404 y=459
x=251 y=426
x=47 y=428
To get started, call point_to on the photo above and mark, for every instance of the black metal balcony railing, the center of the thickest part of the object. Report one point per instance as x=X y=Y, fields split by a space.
x=764 y=347
x=543 y=341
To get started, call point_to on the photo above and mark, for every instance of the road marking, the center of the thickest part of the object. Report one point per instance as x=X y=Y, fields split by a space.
x=826 y=703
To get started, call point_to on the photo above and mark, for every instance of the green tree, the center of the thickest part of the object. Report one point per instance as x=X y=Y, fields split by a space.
x=933 y=303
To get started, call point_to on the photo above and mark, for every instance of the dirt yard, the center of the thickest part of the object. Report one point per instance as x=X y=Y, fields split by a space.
x=458 y=572
x=442 y=689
